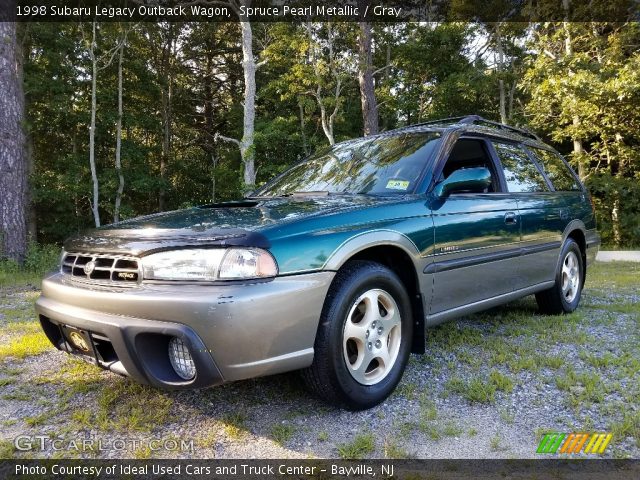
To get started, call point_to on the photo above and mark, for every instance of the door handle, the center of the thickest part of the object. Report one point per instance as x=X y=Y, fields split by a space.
x=510 y=218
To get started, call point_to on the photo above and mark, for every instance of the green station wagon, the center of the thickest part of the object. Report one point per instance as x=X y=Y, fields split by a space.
x=338 y=267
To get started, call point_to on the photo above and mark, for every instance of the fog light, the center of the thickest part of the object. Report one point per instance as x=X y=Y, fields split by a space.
x=181 y=359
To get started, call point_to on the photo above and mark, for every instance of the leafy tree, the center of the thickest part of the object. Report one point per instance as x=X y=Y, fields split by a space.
x=587 y=95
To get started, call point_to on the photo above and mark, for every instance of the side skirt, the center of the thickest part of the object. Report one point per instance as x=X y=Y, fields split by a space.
x=440 y=317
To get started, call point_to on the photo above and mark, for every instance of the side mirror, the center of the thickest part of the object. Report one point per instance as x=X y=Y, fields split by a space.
x=473 y=179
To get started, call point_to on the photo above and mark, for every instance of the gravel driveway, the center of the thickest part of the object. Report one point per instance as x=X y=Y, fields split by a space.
x=488 y=387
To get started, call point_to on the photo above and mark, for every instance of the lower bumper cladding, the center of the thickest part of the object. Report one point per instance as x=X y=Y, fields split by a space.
x=139 y=349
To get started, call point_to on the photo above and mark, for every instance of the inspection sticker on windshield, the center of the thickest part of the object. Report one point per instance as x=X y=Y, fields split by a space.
x=398 y=184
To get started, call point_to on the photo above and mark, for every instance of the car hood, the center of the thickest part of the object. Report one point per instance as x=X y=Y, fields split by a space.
x=229 y=223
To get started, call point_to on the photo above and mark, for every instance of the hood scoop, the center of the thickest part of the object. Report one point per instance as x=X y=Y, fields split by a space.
x=238 y=204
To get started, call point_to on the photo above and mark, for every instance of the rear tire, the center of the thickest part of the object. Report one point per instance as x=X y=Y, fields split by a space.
x=565 y=294
x=364 y=337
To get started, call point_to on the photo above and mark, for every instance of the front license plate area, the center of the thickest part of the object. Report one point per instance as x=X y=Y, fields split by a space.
x=79 y=341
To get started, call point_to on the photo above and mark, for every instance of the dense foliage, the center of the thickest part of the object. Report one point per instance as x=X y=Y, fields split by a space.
x=576 y=84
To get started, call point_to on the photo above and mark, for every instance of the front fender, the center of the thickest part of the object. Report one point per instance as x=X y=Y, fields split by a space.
x=375 y=238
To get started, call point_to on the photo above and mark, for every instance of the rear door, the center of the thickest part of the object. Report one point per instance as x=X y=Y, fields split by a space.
x=476 y=235
x=542 y=214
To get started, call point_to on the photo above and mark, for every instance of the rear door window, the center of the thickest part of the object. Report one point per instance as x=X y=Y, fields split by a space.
x=557 y=171
x=520 y=173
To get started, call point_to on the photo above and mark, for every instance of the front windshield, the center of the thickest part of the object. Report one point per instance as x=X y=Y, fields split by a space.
x=379 y=165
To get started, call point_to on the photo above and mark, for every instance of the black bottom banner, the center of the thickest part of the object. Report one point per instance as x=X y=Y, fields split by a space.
x=584 y=469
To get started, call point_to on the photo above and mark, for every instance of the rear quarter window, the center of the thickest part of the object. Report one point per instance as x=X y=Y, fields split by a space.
x=557 y=171
x=520 y=173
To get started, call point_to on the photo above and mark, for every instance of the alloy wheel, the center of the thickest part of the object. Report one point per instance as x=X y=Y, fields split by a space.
x=371 y=336
x=570 y=277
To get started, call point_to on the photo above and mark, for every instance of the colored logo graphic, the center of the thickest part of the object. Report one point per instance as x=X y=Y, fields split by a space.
x=594 y=443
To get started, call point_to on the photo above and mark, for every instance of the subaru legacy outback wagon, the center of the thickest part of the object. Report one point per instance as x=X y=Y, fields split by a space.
x=337 y=267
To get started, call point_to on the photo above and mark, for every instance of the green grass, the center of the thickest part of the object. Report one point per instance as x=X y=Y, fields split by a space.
x=282 y=433
x=628 y=426
x=626 y=308
x=126 y=406
x=39 y=260
x=475 y=391
x=25 y=346
x=407 y=390
x=394 y=451
x=75 y=376
x=451 y=429
x=582 y=387
x=478 y=390
x=430 y=429
x=362 y=445
x=428 y=410
x=550 y=361
x=605 y=361
x=495 y=443
x=614 y=275
x=7 y=449
x=235 y=425
x=501 y=382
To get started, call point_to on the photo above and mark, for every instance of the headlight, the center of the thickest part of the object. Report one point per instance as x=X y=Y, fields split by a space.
x=209 y=264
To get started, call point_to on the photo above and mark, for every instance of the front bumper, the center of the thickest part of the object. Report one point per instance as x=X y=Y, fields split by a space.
x=233 y=331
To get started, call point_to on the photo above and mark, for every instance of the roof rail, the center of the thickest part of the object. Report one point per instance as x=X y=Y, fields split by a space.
x=440 y=120
x=477 y=119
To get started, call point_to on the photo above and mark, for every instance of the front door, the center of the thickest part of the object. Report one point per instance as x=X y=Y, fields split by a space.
x=476 y=235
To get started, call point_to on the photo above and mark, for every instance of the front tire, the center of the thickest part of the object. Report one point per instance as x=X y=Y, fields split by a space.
x=565 y=294
x=364 y=337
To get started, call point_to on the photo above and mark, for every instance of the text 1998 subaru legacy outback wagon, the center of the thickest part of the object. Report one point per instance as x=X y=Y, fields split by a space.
x=336 y=267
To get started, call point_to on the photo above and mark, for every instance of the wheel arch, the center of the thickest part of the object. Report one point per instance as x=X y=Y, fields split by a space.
x=576 y=231
x=397 y=252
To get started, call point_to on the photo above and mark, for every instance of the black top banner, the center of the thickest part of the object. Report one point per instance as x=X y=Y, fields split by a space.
x=320 y=11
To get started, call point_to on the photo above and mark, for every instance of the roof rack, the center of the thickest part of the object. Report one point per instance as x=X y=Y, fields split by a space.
x=478 y=120
x=452 y=120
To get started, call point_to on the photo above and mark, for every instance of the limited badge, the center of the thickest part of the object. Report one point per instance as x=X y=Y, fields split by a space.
x=398 y=184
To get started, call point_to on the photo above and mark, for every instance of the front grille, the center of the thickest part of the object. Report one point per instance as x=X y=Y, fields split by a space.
x=101 y=268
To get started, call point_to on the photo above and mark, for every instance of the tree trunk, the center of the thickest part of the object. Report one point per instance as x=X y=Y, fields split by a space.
x=214 y=165
x=305 y=144
x=247 y=149
x=568 y=50
x=116 y=210
x=615 y=218
x=325 y=120
x=13 y=153
x=578 y=150
x=512 y=92
x=503 y=99
x=164 y=58
x=92 y=128
x=365 y=79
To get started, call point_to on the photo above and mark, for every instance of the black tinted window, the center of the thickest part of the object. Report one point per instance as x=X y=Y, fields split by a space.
x=556 y=170
x=520 y=172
